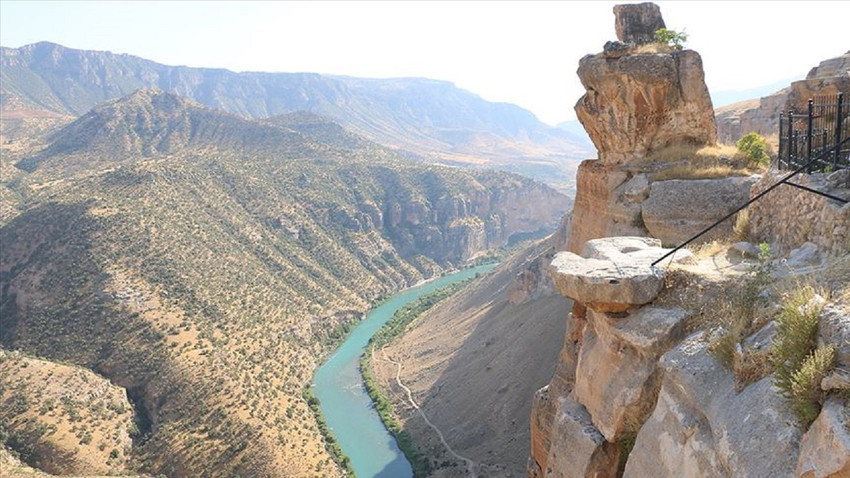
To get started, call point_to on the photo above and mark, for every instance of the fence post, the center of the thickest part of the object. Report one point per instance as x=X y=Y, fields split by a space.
x=809 y=133
x=792 y=141
x=838 y=119
x=779 y=155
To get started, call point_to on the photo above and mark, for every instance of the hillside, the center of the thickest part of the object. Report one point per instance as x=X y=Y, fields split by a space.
x=474 y=360
x=207 y=273
x=427 y=117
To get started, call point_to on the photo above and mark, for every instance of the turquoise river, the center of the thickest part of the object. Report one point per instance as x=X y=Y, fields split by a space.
x=348 y=409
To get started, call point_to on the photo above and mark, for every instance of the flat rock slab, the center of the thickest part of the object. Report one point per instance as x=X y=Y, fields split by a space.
x=615 y=274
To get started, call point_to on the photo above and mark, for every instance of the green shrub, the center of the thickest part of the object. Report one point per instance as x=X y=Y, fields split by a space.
x=795 y=360
x=671 y=38
x=806 y=395
x=753 y=146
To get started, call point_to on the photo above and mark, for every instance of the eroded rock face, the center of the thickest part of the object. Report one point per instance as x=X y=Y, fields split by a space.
x=617 y=374
x=825 y=449
x=635 y=104
x=578 y=449
x=678 y=209
x=702 y=427
x=639 y=103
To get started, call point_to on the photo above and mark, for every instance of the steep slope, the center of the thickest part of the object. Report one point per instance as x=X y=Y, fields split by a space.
x=208 y=277
x=428 y=117
x=471 y=361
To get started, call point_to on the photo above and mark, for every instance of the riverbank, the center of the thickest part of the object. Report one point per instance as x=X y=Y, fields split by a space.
x=419 y=460
x=347 y=407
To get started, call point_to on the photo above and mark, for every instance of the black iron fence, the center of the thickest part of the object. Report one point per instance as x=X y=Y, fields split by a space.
x=807 y=135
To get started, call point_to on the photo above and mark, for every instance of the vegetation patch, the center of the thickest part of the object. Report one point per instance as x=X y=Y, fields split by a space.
x=799 y=364
x=331 y=444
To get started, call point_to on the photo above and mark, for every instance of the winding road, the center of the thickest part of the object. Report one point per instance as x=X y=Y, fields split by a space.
x=470 y=464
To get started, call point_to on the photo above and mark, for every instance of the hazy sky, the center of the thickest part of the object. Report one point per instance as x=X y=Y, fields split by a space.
x=520 y=52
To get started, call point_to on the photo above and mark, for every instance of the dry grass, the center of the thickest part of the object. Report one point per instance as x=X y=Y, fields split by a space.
x=679 y=152
x=698 y=162
x=653 y=48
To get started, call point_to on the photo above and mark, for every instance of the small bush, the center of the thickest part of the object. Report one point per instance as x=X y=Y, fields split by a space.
x=671 y=38
x=806 y=396
x=798 y=366
x=753 y=146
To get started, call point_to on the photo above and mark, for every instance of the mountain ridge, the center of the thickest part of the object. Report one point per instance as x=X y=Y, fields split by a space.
x=66 y=80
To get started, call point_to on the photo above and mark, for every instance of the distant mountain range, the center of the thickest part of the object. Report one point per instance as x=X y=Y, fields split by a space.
x=429 y=118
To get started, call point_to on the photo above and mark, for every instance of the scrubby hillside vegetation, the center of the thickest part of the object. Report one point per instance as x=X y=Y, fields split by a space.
x=205 y=263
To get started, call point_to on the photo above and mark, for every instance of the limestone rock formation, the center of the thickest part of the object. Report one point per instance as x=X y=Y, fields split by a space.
x=702 y=426
x=825 y=448
x=636 y=104
x=637 y=23
x=644 y=102
x=579 y=449
x=678 y=209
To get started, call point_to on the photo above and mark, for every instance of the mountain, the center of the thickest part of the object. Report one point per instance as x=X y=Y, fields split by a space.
x=427 y=117
x=205 y=263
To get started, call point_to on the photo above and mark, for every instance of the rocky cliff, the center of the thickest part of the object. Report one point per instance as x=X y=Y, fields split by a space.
x=673 y=370
x=648 y=112
x=643 y=389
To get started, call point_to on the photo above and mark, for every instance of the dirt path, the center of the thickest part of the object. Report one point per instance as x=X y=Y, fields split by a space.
x=470 y=465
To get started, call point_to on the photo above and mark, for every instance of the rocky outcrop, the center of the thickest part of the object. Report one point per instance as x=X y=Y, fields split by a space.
x=637 y=23
x=702 y=426
x=643 y=102
x=636 y=104
x=635 y=376
x=678 y=209
x=608 y=368
x=830 y=77
x=614 y=275
x=825 y=448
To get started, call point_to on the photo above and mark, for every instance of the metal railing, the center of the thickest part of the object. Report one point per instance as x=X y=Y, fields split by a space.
x=805 y=136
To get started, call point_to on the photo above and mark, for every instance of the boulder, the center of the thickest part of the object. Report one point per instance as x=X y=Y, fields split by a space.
x=616 y=273
x=702 y=426
x=834 y=328
x=825 y=448
x=578 y=449
x=805 y=255
x=637 y=23
x=677 y=209
x=639 y=103
x=617 y=375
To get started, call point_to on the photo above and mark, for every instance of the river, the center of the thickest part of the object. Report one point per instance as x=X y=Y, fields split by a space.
x=344 y=401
